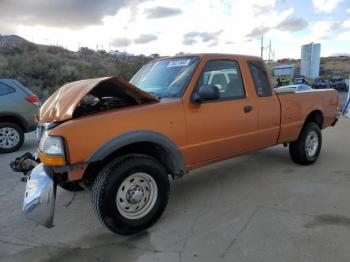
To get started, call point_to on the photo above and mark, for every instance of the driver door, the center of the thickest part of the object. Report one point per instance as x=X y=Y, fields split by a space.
x=224 y=127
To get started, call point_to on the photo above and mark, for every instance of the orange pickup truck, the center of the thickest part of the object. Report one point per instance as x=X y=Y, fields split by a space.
x=124 y=140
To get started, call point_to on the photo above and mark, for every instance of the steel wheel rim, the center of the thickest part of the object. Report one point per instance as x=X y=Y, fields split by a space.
x=136 y=195
x=311 y=144
x=9 y=137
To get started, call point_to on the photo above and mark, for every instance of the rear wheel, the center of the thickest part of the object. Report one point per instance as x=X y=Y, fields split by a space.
x=306 y=149
x=11 y=137
x=131 y=193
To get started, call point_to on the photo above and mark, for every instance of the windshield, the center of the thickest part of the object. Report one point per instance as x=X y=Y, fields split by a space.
x=167 y=77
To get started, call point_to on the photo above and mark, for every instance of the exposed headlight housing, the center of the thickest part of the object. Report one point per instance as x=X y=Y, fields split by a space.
x=51 y=150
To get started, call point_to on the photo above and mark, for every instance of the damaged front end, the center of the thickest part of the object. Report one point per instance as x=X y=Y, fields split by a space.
x=91 y=96
x=71 y=101
x=40 y=194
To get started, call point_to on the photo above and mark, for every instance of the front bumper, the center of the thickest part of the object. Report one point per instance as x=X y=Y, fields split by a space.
x=40 y=196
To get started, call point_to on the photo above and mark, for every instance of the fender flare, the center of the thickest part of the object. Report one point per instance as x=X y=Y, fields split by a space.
x=174 y=155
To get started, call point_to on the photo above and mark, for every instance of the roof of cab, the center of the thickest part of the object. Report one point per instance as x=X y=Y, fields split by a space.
x=214 y=56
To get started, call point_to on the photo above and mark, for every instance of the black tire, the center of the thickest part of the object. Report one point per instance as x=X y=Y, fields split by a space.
x=109 y=181
x=71 y=186
x=20 y=134
x=298 y=149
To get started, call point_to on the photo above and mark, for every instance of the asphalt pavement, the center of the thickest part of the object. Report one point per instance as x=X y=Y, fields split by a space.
x=258 y=207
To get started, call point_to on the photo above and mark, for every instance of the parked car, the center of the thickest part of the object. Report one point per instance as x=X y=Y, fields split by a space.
x=18 y=106
x=124 y=143
x=338 y=83
x=320 y=83
x=300 y=80
x=294 y=88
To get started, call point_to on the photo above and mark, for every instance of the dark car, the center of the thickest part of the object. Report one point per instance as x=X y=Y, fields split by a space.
x=320 y=83
x=338 y=83
x=18 y=106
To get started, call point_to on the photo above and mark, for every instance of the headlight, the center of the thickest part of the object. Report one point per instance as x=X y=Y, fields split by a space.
x=51 y=150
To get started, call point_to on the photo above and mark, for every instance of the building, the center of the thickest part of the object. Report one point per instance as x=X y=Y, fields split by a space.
x=310 y=60
x=283 y=70
x=285 y=73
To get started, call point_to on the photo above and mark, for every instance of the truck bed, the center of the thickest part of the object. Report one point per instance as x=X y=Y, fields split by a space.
x=297 y=106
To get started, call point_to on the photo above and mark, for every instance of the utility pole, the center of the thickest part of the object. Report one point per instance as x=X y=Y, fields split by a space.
x=262 y=47
x=270 y=51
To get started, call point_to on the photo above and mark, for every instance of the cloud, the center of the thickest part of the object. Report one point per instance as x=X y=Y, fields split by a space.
x=6 y=28
x=262 y=9
x=348 y=10
x=161 y=12
x=326 y=6
x=189 y=41
x=194 y=37
x=145 y=38
x=293 y=24
x=63 y=13
x=336 y=26
x=343 y=36
x=121 y=42
x=258 y=31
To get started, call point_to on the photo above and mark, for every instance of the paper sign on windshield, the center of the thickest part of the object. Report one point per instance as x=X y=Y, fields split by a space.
x=179 y=62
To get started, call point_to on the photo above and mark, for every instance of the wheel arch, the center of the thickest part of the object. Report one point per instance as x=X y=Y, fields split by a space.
x=14 y=118
x=315 y=116
x=143 y=142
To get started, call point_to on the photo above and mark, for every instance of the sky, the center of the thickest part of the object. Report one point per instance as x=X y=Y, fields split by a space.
x=169 y=27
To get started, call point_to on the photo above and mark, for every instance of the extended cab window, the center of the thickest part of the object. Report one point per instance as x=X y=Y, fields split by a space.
x=5 y=90
x=225 y=75
x=260 y=78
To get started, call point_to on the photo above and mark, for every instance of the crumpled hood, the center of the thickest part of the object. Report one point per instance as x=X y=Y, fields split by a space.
x=60 y=105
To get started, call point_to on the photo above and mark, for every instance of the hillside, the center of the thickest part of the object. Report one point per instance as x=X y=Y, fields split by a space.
x=12 y=40
x=45 y=68
x=335 y=66
x=329 y=66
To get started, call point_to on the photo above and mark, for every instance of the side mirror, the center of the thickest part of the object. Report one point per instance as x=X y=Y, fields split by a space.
x=205 y=93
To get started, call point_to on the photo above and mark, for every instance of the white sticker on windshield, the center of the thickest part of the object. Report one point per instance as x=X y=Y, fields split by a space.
x=179 y=62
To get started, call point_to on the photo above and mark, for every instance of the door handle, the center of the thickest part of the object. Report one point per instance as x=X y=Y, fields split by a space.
x=247 y=109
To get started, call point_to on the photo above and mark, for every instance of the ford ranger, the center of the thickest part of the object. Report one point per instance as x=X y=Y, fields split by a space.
x=124 y=140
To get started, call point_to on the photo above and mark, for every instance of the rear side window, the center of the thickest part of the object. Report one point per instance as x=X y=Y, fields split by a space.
x=260 y=78
x=5 y=90
x=226 y=76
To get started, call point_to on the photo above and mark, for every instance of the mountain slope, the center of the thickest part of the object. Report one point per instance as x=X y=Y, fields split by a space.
x=12 y=40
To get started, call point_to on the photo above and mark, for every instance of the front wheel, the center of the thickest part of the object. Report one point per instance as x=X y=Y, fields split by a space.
x=131 y=193
x=306 y=149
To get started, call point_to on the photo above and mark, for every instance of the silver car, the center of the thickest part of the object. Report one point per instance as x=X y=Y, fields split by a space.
x=293 y=88
x=18 y=106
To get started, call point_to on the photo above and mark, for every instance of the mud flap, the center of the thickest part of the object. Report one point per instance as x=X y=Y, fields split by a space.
x=40 y=196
